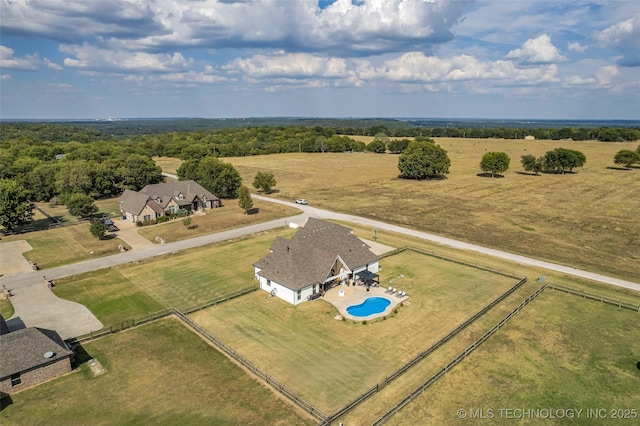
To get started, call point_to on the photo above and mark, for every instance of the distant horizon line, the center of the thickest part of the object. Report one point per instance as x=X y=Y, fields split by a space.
x=397 y=118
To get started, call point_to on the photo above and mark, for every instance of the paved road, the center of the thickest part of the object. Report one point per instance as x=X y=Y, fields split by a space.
x=22 y=285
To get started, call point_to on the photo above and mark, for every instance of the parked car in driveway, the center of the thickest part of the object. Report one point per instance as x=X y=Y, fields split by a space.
x=301 y=201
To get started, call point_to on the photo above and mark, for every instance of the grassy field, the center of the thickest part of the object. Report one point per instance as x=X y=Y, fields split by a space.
x=228 y=217
x=161 y=373
x=330 y=362
x=560 y=352
x=587 y=219
x=182 y=279
x=6 y=309
x=66 y=244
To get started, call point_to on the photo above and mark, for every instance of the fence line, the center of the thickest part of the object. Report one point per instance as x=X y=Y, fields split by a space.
x=133 y=322
x=378 y=387
x=448 y=259
x=600 y=298
x=458 y=358
x=270 y=380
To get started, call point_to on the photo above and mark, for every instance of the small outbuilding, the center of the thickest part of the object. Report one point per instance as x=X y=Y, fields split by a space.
x=319 y=255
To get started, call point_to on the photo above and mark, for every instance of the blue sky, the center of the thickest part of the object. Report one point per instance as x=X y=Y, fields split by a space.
x=344 y=58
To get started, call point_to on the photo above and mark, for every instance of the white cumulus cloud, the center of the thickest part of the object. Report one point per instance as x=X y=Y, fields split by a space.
x=91 y=57
x=290 y=65
x=623 y=37
x=538 y=50
x=577 y=47
x=7 y=60
x=606 y=75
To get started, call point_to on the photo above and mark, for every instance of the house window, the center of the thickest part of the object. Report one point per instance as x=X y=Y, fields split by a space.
x=16 y=380
x=146 y=217
x=268 y=283
x=299 y=294
x=179 y=197
x=172 y=209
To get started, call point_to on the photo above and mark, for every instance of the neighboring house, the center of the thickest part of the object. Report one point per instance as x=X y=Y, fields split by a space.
x=319 y=255
x=156 y=200
x=31 y=356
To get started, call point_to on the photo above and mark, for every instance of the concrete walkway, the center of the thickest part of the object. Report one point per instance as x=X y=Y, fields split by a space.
x=22 y=285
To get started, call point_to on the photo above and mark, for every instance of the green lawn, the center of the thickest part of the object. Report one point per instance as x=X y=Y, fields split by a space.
x=561 y=352
x=161 y=374
x=330 y=362
x=184 y=279
x=6 y=308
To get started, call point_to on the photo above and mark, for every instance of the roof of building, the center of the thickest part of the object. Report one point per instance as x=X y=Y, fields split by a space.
x=4 y=328
x=189 y=189
x=133 y=202
x=24 y=349
x=308 y=257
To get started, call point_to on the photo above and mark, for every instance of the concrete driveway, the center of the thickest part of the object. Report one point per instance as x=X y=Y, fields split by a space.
x=12 y=262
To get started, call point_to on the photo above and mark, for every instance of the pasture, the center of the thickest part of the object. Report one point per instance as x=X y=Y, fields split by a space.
x=587 y=219
x=161 y=373
x=561 y=352
x=330 y=362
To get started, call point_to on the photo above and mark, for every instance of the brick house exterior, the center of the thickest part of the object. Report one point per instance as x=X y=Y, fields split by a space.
x=29 y=357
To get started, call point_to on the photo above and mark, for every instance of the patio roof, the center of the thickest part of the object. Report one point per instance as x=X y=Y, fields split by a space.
x=367 y=275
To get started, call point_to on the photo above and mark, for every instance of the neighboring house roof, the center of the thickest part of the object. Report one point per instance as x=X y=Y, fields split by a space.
x=22 y=350
x=307 y=258
x=4 y=328
x=189 y=189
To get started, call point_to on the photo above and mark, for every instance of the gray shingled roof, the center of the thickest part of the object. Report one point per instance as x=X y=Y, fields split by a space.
x=133 y=202
x=24 y=349
x=190 y=189
x=307 y=258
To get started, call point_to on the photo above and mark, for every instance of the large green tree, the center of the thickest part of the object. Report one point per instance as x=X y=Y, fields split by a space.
x=627 y=157
x=264 y=181
x=80 y=205
x=561 y=159
x=422 y=160
x=15 y=207
x=216 y=176
x=495 y=162
x=244 y=199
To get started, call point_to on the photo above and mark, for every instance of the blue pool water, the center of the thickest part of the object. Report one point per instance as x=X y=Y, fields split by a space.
x=373 y=305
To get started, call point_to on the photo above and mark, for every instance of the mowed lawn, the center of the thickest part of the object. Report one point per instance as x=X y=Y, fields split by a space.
x=182 y=279
x=230 y=216
x=329 y=362
x=561 y=352
x=161 y=373
x=66 y=244
x=587 y=219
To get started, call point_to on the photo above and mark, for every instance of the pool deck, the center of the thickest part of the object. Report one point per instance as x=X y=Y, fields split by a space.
x=355 y=295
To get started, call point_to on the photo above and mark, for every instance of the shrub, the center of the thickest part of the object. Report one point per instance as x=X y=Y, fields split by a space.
x=138 y=223
x=162 y=219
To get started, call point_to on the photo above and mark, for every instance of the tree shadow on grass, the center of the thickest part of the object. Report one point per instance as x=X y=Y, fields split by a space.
x=488 y=175
x=626 y=169
x=528 y=174
x=254 y=210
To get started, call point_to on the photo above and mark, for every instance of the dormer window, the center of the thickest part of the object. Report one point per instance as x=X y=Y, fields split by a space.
x=158 y=200
x=179 y=197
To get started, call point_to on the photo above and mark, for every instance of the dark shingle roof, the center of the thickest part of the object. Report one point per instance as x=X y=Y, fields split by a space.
x=24 y=349
x=308 y=257
x=133 y=202
x=188 y=188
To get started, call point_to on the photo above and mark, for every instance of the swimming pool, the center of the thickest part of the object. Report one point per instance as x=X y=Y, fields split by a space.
x=372 y=305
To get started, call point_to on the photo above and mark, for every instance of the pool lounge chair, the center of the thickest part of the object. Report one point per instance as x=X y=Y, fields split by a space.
x=389 y=290
x=399 y=294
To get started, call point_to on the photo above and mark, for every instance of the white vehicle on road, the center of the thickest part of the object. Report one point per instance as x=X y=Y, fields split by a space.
x=301 y=201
